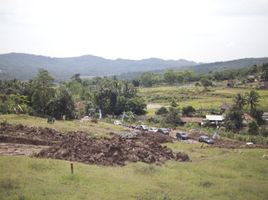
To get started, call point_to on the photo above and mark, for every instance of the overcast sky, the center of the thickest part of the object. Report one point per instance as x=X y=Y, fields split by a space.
x=199 y=30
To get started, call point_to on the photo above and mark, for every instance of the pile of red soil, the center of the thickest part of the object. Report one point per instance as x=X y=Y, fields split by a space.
x=145 y=147
x=21 y=134
x=111 y=151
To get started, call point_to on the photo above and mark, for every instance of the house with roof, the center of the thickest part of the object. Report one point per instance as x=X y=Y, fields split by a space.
x=265 y=116
x=213 y=119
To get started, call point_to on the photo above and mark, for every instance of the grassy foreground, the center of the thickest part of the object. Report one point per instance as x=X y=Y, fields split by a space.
x=212 y=174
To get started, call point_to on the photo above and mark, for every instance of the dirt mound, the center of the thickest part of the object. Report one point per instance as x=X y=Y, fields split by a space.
x=79 y=146
x=110 y=151
x=156 y=137
x=29 y=135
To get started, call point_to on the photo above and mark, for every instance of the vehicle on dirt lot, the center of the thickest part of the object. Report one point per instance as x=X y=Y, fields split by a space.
x=206 y=139
x=153 y=129
x=142 y=127
x=182 y=136
x=129 y=135
x=117 y=122
x=164 y=130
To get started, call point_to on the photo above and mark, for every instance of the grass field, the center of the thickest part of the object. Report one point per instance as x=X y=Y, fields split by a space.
x=195 y=96
x=99 y=129
x=212 y=174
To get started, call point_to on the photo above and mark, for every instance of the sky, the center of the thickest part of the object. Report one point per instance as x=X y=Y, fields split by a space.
x=198 y=30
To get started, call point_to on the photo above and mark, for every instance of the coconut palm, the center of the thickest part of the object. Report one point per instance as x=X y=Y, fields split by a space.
x=252 y=99
x=240 y=101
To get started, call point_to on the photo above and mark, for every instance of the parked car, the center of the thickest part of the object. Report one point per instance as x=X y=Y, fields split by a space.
x=182 y=136
x=153 y=129
x=206 y=139
x=129 y=135
x=142 y=127
x=164 y=130
x=117 y=122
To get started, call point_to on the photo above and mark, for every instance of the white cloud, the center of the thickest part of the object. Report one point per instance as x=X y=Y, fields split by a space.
x=201 y=30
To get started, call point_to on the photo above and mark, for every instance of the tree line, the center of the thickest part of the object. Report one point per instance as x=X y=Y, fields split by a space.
x=172 y=76
x=41 y=96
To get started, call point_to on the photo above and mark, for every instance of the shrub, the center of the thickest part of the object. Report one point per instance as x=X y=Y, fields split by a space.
x=188 y=111
x=161 y=111
x=253 y=128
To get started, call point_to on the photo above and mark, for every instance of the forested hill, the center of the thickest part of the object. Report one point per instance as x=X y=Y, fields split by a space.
x=25 y=66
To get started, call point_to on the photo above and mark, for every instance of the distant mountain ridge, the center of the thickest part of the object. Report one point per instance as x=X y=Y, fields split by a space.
x=25 y=66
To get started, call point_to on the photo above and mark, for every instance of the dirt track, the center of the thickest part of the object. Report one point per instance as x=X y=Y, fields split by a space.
x=12 y=149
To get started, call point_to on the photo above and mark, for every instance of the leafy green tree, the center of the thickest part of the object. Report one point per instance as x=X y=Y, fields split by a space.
x=234 y=119
x=188 y=111
x=43 y=91
x=170 y=76
x=61 y=104
x=264 y=71
x=147 y=79
x=161 y=111
x=253 y=128
x=172 y=117
x=240 y=101
x=115 y=97
x=252 y=99
x=257 y=114
x=205 y=83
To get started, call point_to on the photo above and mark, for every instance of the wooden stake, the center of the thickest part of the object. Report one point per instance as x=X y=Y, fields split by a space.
x=72 y=168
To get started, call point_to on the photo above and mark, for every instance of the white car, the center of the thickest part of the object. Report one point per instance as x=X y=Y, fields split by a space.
x=153 y=129
x=117 y=122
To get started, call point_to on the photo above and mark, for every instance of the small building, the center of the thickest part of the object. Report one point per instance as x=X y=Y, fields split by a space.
x=197 y=120
x=213 y=119
x=265 y=116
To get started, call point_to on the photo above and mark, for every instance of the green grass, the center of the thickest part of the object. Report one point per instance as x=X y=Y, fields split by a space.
x=96 y=129
x=195 y=96
x=212 y=174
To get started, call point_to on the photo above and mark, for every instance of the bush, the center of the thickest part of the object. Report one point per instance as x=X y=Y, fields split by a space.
x=253 y=128
x=161 y=111
x=263 y=131
x=188 y=111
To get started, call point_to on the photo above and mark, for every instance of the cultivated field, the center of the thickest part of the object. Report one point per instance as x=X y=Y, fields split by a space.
x=195 y=96
x=214 y=173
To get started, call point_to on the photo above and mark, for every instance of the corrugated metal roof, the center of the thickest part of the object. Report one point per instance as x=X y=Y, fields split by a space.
x=214 y=117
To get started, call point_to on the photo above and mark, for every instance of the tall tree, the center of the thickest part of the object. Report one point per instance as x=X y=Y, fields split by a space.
x=234 y=120
x=240 y=101
x=42 y=91
x=252 y=100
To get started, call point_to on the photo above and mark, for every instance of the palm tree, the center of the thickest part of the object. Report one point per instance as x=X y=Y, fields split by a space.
x=252 y=99
x=240 y=101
